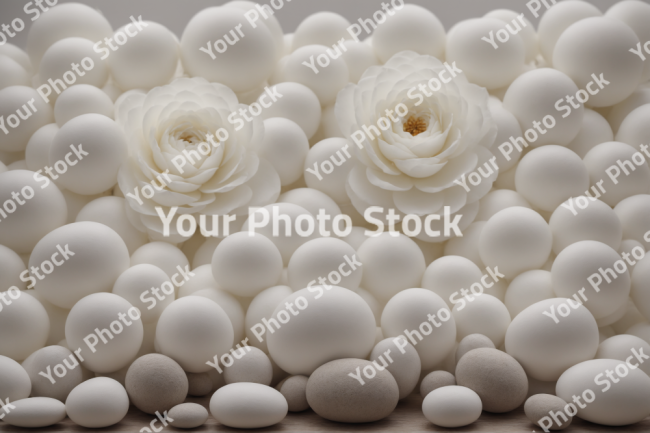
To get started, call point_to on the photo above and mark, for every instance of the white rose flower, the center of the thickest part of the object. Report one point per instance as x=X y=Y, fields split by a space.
x=185 y=154
x=428 y=140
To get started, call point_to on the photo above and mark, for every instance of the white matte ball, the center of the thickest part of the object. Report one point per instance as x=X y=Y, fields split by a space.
x=525 y=30
x=527 y=289
x=37 y=153
x=15 y=383
x=619 y=112
x=358 y=56
x=497 y=200
x=285 y=146
x=230 y=305
x=24 y=325
x=482 y=314
x=15 y=101
x=98 y=402
x=594 y=130
x=262 y=307
x=327 y=166
x=404 y=364
x=507 y=126
x=298 y=103
x=11 y=267
x=313 y=201
x=621 y=347
x=634 y=129
x=633 y=213
x=161 y=254
x=640 y=292
x=635 y=14
x=452 y=406
x=12 y=73
x=143 y=286
x=81 y=99
x=321 y=28
x=447 y=275
x=467 y=245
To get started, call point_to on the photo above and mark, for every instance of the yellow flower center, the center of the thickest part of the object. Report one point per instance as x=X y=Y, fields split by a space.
x=415 y=125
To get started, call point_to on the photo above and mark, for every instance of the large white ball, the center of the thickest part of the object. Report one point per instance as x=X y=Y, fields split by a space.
x=161 y=254
x=619 y=112
x=37 y=153
x=527 y=289
x=599 y=47
x=321 y=28
x=594 y=130
x=262 y=307
x=522 y=26
x=144 y=286
x=85 y=269
x=327 y=166
x=15 y=101
x=298 y=103
x=634 y=129
x=447 y=275
x=242 y=66
x=230 y=305
x=24 y=325
x=635 y=14
x=285 y=146
x=81 y=99
x=359 y=56
x=633 y=213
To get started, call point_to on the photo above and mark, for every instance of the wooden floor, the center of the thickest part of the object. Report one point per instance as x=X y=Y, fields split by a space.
x=406 y=418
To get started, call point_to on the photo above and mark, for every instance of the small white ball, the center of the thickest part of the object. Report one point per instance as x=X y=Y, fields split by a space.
x=359 y=57
x=57 y=60
x=285 y=146
x=12 y=73
x=144 y=286
x=522 y=26
x=37 y=153
x=24 y=325
x=313 y=201
x=245 y=265
x=105 y=144
x=621 y=347
x=641 y=286
x=111 y=211
x=594 y=130
x=327 y=166
x=633 y=213
x=527 y=289
x=412 y=28
x=161 y=254
x=634 y=129
x=202 y=279
x=483 y=64
x=467 y=245
x=321 y=28
x=450 y=274
x=620 y=111
x=507 y=126
x=497 y=200
x=390 y=265
x=262 y=307
x=515 y=240
x=116 y=315
x=327 y=258
x=14 y=380
x=410 y=310
x=635 y=14
x=242 y=66
x=252 y=366
x=298 y=103
x=14 y=101
x=482 y=314
x=230 y=305
x=81 y=99
x=549 y=175
x=11 y=267
x=18 y=56
x=98 y=402
x=192 y=331
x=593 y=46
x=452 y=406
x=404 y=365
x=332 y=74
x=146 y=60
x=532 y=97
x=85 y=268
x=23 y=225
x=203 y=255
x=585 y=219
x=602 y=160
x=572 y=273
x=557 y=19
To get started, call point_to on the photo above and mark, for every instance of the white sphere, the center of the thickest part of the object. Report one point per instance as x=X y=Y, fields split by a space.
x=525 y=30
x=622 y=110
x=203 y=255
x=549 y=175
x=105 y=144
x=24 y=325
x=515 y=240
x=242 y=66
x=86 y=269
x=285 y=146
x=404 y=364
x=507 y=126
x=14 y=101
x=98 y=402
x=12 y=73
x=269 y=20
x=447 y=275
x=18 y=55
x=342 y=320
x=390 y=265
x=262 y=307
x=594 y=130
x=359 y=57
x=230 y=305
x=634 y=129
x=640 y=292
x=452 y=406
x=635 y=14
x=482 y=63
x=192 y=331
x=332 y=74
x=146 y=60
x=329 y=123
x=467 y=245
x=161 y=254
x=298 y=103
x=144 y=286
x=37 y=153
x=59 y=57
x=23 y=225
x=557 y=19
x=15 y=383
x=313 y=201
x=116 y=315
x=81 y=99
x=533 y=96
x=621 y=347
x=527 y=289
x=571 y=223
x=497 y=200
x=327 y=166
x=410 y=310
x=546 y=348
x=574 y=267
x=593 y=46
x=321 y=28
x=633 y=213
x=245 y=265
x=327 y=258
x=412 y=28
x=202 y=279
x=482 y=314
x=601 y=158
x=11 y=267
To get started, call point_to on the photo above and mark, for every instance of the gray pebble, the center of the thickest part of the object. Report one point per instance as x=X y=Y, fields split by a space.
x=472 y=341
x=294 y=389
x=540 y=405
x=436 y=379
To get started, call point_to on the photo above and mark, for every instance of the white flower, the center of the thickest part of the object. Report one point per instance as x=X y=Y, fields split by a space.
x=176 y=141
x=434 y=140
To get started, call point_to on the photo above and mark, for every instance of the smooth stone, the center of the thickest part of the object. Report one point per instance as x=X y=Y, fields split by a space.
x=15 y=383
x=294 y=390
x=253 y=366
x=336 y=396
x=35 y=412
x=452 y=406
x=199 y=384
x=248 y=405
x=45 y=360
x=471 y=342
x=187 y=415
x=539 y=406
x=495 y=376
x=98 y=402
x=156 y=382
x=436 y=379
